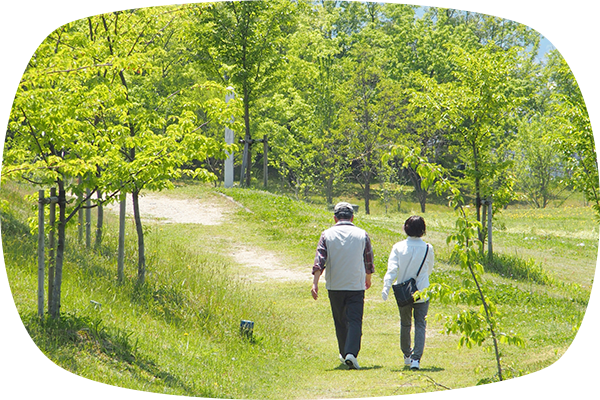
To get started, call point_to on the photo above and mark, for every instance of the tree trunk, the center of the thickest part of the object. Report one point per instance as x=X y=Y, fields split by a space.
x=99 y=222
x=248 y=138
x=41 y=263
x=478 y=193
x=121 y=249
x=420 y=193
x=140 y=234
x=51 y=245
x=478 y=204
x=367 y=195
x=329 y=190
x=60 y=251
x=482 y=235
x=88 y=220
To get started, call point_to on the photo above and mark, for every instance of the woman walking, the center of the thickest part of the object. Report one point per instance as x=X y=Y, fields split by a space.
x=411 y=258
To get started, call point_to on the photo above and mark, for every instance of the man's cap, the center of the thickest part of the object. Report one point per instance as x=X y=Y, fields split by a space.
x=343 y=208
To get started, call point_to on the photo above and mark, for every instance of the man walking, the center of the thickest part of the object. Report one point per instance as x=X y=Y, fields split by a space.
x=345 y=254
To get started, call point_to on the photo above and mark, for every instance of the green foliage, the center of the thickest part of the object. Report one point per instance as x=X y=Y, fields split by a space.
x=108 y=104
x=538 y=170
x=347 y=92
x=243 y=44
x=574 y=138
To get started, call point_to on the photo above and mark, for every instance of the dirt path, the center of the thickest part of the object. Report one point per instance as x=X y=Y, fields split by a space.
x=260 y=265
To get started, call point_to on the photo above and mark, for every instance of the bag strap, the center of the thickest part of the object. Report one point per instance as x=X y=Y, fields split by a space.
x=424 y=258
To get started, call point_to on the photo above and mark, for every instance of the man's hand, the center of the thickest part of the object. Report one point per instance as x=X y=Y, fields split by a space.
x=368 y=281
x=315 y=287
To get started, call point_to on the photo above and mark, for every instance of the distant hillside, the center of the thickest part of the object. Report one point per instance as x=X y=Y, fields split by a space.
x=569 y=10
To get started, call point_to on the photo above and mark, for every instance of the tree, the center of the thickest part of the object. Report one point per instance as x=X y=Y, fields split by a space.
x=76 y=114
x=538 y=166
x=417 y=47
x=52 y=136
x=161 y=137
x=473 y=109
x=314 y=71
x=241 y=43
x=491 y=30
x=574 y=137
x=371 y=115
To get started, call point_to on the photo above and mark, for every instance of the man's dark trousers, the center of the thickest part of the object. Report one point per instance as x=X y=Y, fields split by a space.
x=347 y=309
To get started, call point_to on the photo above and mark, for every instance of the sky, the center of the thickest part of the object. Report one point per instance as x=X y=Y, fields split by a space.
x=569 y=10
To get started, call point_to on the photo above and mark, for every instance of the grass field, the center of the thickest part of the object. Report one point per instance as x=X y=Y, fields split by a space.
x=179 y=333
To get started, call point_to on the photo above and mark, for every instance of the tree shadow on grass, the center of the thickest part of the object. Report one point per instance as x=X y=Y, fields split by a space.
x=89 y=335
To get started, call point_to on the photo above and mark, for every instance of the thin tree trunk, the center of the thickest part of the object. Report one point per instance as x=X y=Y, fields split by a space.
x=41 y=263
x=60 y=251
x=51 y=245
x=329 y=190
x=99 y=222
x=419 y=191
x=488 y=317
x=88 y=220
x=478 y=193
x=367 y=195
x=121 y=249
x=140 y=234
x=248 y=138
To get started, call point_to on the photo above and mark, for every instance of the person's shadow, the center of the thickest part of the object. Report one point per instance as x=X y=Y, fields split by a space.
x=344 y=367
x=428 y=369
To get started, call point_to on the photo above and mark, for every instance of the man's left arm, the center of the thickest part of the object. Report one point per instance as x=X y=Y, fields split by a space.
x=319 y=265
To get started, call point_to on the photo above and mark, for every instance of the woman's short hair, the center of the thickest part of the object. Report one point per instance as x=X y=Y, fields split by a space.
x=415 y=226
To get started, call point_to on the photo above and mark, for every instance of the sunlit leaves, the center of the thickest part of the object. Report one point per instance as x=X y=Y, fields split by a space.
x=575 y=137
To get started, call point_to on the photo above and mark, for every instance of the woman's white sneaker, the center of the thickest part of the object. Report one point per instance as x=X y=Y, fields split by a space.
x=351 y=362
x=414 y=364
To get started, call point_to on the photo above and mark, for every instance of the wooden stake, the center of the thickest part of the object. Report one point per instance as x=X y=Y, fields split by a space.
x=88 y=220
x=40 y=293
x=51 y=244
x=121 y=250
x=265 y=161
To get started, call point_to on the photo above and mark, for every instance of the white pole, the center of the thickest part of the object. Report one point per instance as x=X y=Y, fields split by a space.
x=229 y=140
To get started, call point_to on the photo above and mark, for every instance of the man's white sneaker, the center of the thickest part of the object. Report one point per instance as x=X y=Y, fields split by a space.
x=351 y=362
x=414 y=364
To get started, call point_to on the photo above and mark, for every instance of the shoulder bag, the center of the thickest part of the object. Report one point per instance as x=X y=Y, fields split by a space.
x=404 y=291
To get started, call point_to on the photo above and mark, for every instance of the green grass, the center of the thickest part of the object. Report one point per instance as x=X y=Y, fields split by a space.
x=179 y=333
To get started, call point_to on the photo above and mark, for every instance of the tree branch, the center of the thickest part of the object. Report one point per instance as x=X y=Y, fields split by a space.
x=435 y=383
x=79 y=69
x=34 y=135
